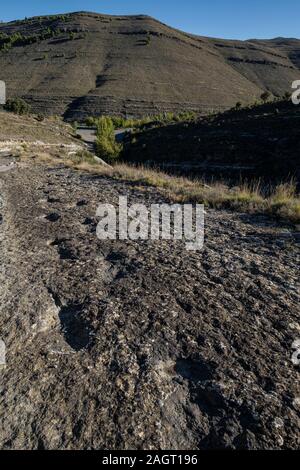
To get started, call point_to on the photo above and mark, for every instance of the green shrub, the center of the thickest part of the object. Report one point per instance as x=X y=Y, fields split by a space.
x=106 y=146
x=120 y=122
x=7 y=41
x=17 y=106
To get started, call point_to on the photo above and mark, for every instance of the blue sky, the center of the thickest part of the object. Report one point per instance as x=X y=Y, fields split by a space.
x=242 y=19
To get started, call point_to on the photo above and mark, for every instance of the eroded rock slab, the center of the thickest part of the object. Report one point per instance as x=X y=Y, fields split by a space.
x=127 y=345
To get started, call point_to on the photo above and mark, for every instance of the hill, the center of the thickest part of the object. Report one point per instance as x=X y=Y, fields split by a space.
x=83 y=64
x=260 y=141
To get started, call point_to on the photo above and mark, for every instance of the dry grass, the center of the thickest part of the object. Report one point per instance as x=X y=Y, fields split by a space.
x=28 y=129
x=283 y=202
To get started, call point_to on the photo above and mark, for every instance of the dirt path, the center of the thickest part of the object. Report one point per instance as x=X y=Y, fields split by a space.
x=141 y=345
x=88 y=136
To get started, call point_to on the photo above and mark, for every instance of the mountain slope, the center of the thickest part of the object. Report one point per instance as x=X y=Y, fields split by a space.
x=82 y=64
x=261 y=141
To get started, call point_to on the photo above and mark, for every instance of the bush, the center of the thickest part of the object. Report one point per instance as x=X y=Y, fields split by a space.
x=90 y=121
x=106 y=146
x=17 y=106
x=265 y=96
x=120 y=122
x=7 y=41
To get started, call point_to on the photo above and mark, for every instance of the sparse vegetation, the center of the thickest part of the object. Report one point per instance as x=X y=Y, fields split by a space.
x=83 y=156
x=148 y=39
x=120 y=122
x=41 y=19
x=16 y=40
x=17 y=106
x=286 y=202
x=7 y=41
x=282 y=201
x=265 y=96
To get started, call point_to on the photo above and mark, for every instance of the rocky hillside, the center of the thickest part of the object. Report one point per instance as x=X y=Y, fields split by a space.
x=84 y=64
x=30 y=129
x=262 y=141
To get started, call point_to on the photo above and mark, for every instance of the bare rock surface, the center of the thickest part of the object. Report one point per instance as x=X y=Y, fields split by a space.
x=130 y=345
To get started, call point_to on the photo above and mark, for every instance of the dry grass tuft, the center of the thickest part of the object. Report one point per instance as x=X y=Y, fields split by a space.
x=285 y=202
